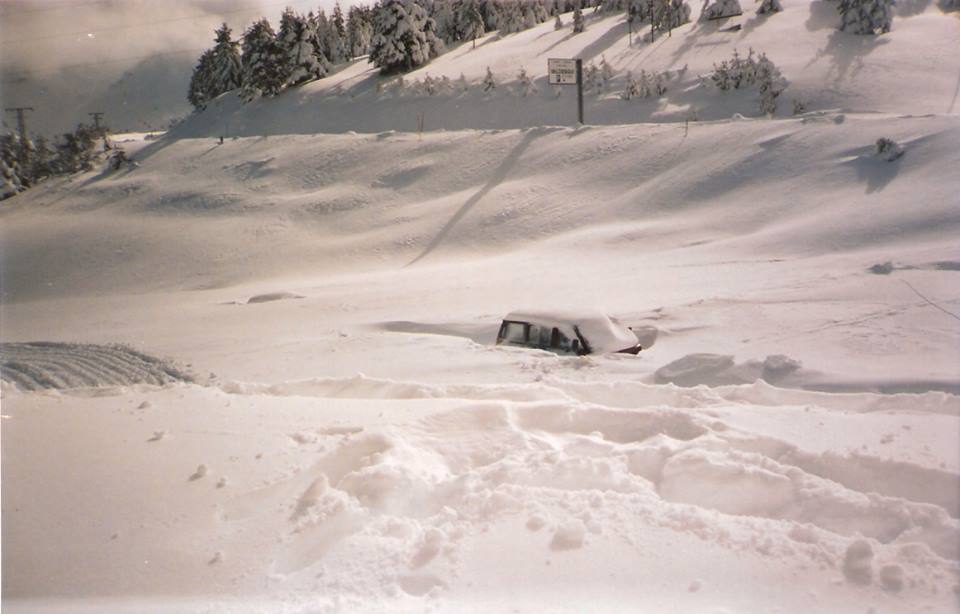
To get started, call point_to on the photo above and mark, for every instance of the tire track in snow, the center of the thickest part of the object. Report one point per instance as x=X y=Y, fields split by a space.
x=51 y=365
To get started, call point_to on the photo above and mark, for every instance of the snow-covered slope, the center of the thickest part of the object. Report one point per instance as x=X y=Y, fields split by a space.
x=825 y=69
x=340 y=433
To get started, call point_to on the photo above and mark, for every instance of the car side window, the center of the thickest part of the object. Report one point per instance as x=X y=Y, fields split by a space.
x=513 y=332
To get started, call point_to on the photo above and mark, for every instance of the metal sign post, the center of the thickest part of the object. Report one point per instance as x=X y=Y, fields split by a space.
x=564 y=71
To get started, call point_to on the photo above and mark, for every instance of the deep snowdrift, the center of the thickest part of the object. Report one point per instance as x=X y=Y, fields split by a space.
x=352 y=440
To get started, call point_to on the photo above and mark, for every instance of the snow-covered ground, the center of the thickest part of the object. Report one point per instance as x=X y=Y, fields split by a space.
x=260 y=375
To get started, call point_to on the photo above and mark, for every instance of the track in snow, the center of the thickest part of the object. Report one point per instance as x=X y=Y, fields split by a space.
x=41 y=364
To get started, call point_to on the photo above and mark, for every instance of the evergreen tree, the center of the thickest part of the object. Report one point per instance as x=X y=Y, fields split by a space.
x=200 y=90
x=510 y=17
x=76 y=150
x=665 y=15
x=558 y=23
x=578 y=25
x=525 y=83
x=225 y=71
x=471 y=23
x=341 y=52
x=404 y=37
x=769 y=6
x=42 y=160
x=488 y=82
x=865 y=16
x=606 y=73
x=12 y=180
x=631 y=89
x=359 y=31
x=444 y=16
x=264 y=62
x=302 y=61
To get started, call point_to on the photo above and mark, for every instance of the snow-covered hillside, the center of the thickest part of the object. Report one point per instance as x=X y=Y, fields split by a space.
x=825 y=69
x=259 y=375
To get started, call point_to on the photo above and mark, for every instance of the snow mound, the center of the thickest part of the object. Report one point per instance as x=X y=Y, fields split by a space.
x=39 y=365
x=273 y=296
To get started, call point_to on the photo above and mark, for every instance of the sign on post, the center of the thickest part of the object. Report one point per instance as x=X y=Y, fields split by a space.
x=563 y=71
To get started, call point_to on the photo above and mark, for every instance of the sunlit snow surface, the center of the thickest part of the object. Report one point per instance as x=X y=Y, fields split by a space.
x=267 y=378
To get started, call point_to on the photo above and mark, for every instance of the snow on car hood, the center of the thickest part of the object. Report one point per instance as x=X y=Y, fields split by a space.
x=602 y=333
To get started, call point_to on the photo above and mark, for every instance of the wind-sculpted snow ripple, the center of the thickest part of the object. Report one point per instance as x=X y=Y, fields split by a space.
x=49 y=365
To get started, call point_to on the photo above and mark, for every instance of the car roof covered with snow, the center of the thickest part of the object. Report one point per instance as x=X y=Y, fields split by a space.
x=601 y=332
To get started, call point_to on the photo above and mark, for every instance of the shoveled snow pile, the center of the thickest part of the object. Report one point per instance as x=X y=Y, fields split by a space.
x=785 y=442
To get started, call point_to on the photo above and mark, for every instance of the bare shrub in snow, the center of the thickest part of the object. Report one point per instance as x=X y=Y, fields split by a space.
x=799 y=106
x=865 y=16
x=768 y=7
x=719 y=9
x=888 y=149
x=558 y=23
x=759 y=72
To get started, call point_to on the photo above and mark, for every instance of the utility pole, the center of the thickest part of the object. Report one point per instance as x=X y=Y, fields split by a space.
x=96 y=119
x=21 y=122
x=580 y=91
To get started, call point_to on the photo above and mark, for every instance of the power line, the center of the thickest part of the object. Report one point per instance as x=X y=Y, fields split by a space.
x=247 y=9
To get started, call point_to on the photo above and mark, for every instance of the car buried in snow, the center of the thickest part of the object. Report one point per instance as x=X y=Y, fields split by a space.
x=576 y=333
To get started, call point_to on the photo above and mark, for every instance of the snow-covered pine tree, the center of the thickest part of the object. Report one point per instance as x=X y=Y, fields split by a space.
x=443 y=15
x=578 y=25
x=865 y=16
x=200 y=90
x=11 y=173
x=510 y=17
x=302 y=62
x=719 y=9
x=540 y=11
x=340 y=45
x=42 y=160
x=488 y=82
x=525 y=84
x=76 y=150
x=263 y=62
x=359 y=30
x=606 y=73
x=770 y=82
x=404 y=37
x=665 y=15
x=470 y=22
x=768 y=7
x=640 y=10
x=462 y=86
x=591 y=78
x=631 y=89
x=226 y=71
